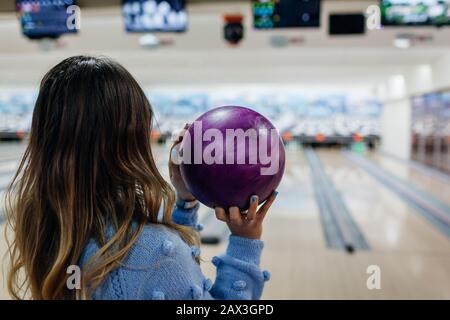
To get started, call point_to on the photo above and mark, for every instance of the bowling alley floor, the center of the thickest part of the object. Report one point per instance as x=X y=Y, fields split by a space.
x=413 y=254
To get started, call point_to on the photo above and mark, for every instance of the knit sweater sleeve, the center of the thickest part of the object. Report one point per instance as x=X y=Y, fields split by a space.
x=238 y=275
x=171 y=271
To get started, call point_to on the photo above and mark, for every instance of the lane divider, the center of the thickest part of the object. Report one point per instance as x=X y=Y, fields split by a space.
x=429 y=207
x=340 y=229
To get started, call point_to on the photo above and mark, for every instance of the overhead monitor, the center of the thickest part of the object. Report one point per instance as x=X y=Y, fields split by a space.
x=273 y=14
x=347 y=24
x=155 y=15
x=415 y=12
x=45 y=18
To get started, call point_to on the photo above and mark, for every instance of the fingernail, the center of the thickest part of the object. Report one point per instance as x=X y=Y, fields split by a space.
x=254 y=199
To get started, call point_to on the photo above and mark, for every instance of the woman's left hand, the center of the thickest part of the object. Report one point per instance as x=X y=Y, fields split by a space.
x=183 y=192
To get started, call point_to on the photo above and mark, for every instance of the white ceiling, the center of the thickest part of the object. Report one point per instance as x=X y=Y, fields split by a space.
x=200 y=56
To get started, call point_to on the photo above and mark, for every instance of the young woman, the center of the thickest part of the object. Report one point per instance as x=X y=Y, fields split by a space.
x=88 y=194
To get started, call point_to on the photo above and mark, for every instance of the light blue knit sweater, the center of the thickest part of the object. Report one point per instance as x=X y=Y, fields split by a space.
x=161 y=265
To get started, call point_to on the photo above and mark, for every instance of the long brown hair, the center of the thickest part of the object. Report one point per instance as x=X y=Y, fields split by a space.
x=88 y=166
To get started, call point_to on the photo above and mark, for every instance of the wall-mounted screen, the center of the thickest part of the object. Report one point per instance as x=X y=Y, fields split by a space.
x=415 y=12
x=155 y=15
x=347 y=24
x=44 y=18
x=272 y=14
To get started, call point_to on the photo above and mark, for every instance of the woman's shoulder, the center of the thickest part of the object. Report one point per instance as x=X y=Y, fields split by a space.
x=158 y=255
x=153 y=234
x=154 y=241
x=157 y=241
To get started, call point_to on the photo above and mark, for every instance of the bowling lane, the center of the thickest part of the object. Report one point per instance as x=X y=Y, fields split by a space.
x=3 y=250
x=387 y=221
x=11 y=150
x=10 y=154
x=295 y=213
x=427 y=182
x=412 y=254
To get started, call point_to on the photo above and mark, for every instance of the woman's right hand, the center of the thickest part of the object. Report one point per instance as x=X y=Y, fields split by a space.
x=246 y=225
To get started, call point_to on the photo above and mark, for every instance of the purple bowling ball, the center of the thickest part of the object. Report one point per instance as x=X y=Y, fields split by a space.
x=229 y=154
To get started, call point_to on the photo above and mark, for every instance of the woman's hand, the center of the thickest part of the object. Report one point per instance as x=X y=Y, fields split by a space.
x=246 y=225
x=181 y=189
